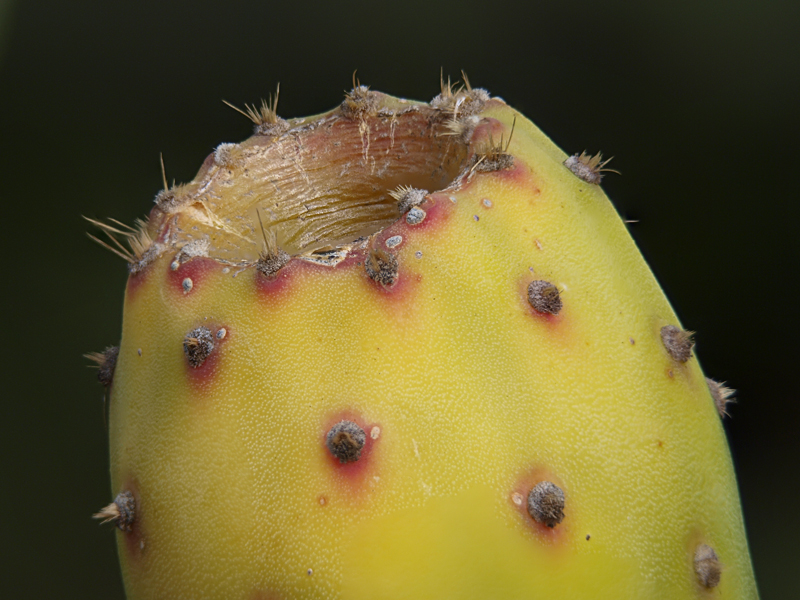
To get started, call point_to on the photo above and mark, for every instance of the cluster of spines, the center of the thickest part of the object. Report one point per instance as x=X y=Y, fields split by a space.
x=589 y=168
x=106 y=362
x=494 y=156
x=265 y=118
x=272 y=257
x=122 y=511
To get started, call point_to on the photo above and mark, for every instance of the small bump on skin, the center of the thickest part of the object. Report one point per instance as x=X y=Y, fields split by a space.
x=106 y=362
x=408 y=197
x=375 y=432
x=677 y=342
x=546 y=504
x=174 y=265
x=198 y=345
x=187 y=285
x=393 y=241
x=544 y=297
x=122 y=511
x=707 y=566
x=721 y=394
x=221 y=333
x=588 y=168
x=345 y=440
x=487 y=203
x=517 y=498
x=381 y=267
x=415 y=216
x=418 y=254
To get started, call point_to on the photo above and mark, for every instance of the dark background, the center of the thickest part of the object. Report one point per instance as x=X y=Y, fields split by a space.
x=698 y=101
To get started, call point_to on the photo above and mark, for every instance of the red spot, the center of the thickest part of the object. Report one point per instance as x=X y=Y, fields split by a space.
x=278 y=286
x=136 y=281
x=196 y=269
x=202 y=378
x=438 y=209
x=352 y=475
x=550 y=535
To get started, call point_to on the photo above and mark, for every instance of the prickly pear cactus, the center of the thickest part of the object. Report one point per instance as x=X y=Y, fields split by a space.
x=409 y=350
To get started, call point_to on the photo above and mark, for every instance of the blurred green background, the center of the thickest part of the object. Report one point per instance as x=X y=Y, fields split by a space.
x=699 y=103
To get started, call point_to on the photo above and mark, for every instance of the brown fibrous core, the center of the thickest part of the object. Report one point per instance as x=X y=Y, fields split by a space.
x=345 y=440
x=677 y=342
x=707 y=566
x=381 y=267
x=106 y=362
x=544 y=297
x=546 y=504
x=198 y=345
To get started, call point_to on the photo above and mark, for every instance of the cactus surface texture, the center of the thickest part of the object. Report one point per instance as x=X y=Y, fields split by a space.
x=408 y=350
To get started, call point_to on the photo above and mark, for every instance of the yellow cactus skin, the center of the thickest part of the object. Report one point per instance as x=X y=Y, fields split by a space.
x=468 y=396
